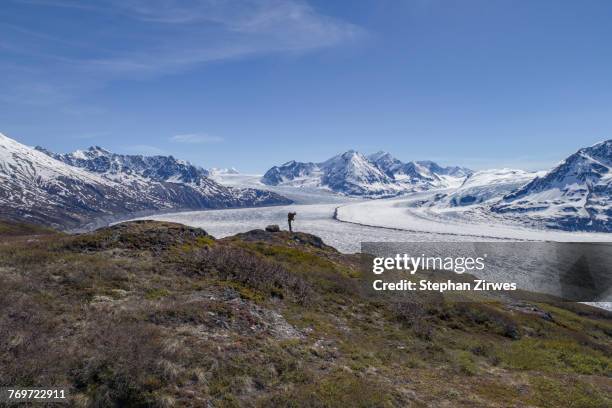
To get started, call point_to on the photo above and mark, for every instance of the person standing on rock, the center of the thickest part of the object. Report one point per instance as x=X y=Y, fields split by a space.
x=290 y=219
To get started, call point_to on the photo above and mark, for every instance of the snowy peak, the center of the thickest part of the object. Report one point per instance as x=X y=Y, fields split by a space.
x=23 y=163
x=39 y=188
x=586 y=167
x=5 y=139
x=158 y=168
x=355 y=167
x=454 y=171
x=416 y=172
x=352 y=173
x=381 y=154
x=601 y=152
x=577 y=194
x=214 y=171
x=386 y=162
x=347 y=173
x=290 y=172
x=92 y=152
x=425 y=171
x=68 y=190
x=484 y=185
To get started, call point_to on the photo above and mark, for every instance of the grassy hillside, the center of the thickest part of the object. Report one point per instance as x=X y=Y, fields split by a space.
x=159 y=314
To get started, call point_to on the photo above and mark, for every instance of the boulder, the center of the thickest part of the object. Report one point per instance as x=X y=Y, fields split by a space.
x=273 y=228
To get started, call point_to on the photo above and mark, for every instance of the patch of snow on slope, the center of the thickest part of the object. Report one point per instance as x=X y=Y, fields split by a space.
x=487 y=185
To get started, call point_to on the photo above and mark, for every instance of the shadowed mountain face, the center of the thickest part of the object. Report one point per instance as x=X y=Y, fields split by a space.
x=377 y=175
x=70 y=190
x=157 y=168
x=575 y=195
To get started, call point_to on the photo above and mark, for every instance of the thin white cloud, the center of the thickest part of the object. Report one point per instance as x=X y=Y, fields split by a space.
x=150 y=38
x=193 y=138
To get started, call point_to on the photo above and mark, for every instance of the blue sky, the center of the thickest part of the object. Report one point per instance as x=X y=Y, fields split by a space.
x=481 y=83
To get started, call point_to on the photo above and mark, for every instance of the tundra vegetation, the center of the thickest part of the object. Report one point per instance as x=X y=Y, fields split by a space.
x=154 y=314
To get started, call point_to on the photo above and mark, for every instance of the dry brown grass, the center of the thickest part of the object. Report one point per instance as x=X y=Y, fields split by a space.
x=156 y=314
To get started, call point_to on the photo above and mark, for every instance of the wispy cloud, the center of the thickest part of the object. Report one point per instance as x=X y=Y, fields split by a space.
x=150 y=38
x=194 y=138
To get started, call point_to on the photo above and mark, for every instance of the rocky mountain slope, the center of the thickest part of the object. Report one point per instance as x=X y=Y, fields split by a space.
x=160 y=314
x=69 y=190
x=377 y=175
x=575 y=195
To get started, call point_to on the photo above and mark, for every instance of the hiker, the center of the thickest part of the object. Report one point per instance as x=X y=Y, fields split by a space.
x=290 y=219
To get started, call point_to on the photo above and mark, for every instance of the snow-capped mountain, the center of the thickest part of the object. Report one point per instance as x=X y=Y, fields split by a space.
x=38 y=188
x=410 y=173
x=575 y=195
x=293 y=173
x=231 y=177
x=143 y=172
x=161 y=176
x=421 y=175
x=158 y=168
x=69 y=190
x=214 y=171
x=351 y=173
x=377 y=175
x=453 y=171
x=485 y=185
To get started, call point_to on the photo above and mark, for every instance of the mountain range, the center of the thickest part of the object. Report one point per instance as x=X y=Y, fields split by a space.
x=377 y=175
x=69 y=190
x=575 y=195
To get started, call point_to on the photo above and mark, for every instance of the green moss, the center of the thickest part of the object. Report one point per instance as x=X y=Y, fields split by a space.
x=286 y=254
x=338 y=389
x=507 y=394
x=8 y=228
x=465 y=364
x=198 y=243
x=157 y=293
x=299 y=258
x=575 y=322
x=555 y=356
x=312 y=320
x=553 y=393
x=331 y=278
x=245 y=291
